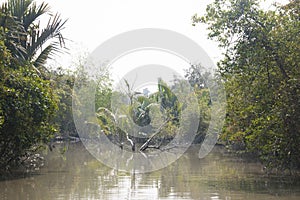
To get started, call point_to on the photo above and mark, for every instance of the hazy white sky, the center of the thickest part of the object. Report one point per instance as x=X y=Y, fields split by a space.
x=92 y=22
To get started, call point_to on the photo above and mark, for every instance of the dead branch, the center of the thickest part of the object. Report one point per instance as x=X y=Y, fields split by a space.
x=146 y=144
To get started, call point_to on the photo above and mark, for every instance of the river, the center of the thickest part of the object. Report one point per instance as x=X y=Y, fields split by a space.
x=75 y=174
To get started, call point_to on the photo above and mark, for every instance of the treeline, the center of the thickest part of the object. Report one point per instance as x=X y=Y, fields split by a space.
x=36 y=101
x=261 y=73
x=138 y=121
x=31 y=102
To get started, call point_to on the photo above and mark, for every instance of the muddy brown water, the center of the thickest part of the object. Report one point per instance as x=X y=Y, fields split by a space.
x=75 y=174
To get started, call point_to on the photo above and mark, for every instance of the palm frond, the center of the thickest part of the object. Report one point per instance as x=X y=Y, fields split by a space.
x=14 y=32
x=53 y=30
x=24 y=38
x=17 y=8
x=17 y=49
x=33 y=13
x=41 y=60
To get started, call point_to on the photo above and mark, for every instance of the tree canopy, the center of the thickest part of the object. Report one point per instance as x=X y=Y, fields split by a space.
x=262 y=75
x=27 y=99
x=26 y=38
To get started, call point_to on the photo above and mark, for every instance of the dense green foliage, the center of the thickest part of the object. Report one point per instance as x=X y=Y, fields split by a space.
x=198 y=80
x=27 y=100
x=155 y=115
x=262 y=76
x=140 y=111
x=62 y=82
x=155 y=119
x=260 y=70
x=27 y=105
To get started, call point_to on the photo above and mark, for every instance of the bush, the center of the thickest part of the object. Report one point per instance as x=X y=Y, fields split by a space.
x=27 y=106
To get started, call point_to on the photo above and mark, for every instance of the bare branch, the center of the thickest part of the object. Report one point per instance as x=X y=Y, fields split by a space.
x=146 y=144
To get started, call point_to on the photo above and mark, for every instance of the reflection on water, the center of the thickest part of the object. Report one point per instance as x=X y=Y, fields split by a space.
x=77 y=175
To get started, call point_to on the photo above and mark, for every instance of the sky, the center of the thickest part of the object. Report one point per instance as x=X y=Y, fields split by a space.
x=92 y=22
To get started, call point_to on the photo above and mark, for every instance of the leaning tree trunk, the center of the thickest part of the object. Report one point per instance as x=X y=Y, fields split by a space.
x=146 y=144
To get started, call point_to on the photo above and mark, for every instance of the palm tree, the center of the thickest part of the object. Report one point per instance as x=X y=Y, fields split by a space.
x=27 y=41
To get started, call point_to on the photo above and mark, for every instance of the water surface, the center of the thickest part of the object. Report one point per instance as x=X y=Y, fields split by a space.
x=77 y=175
